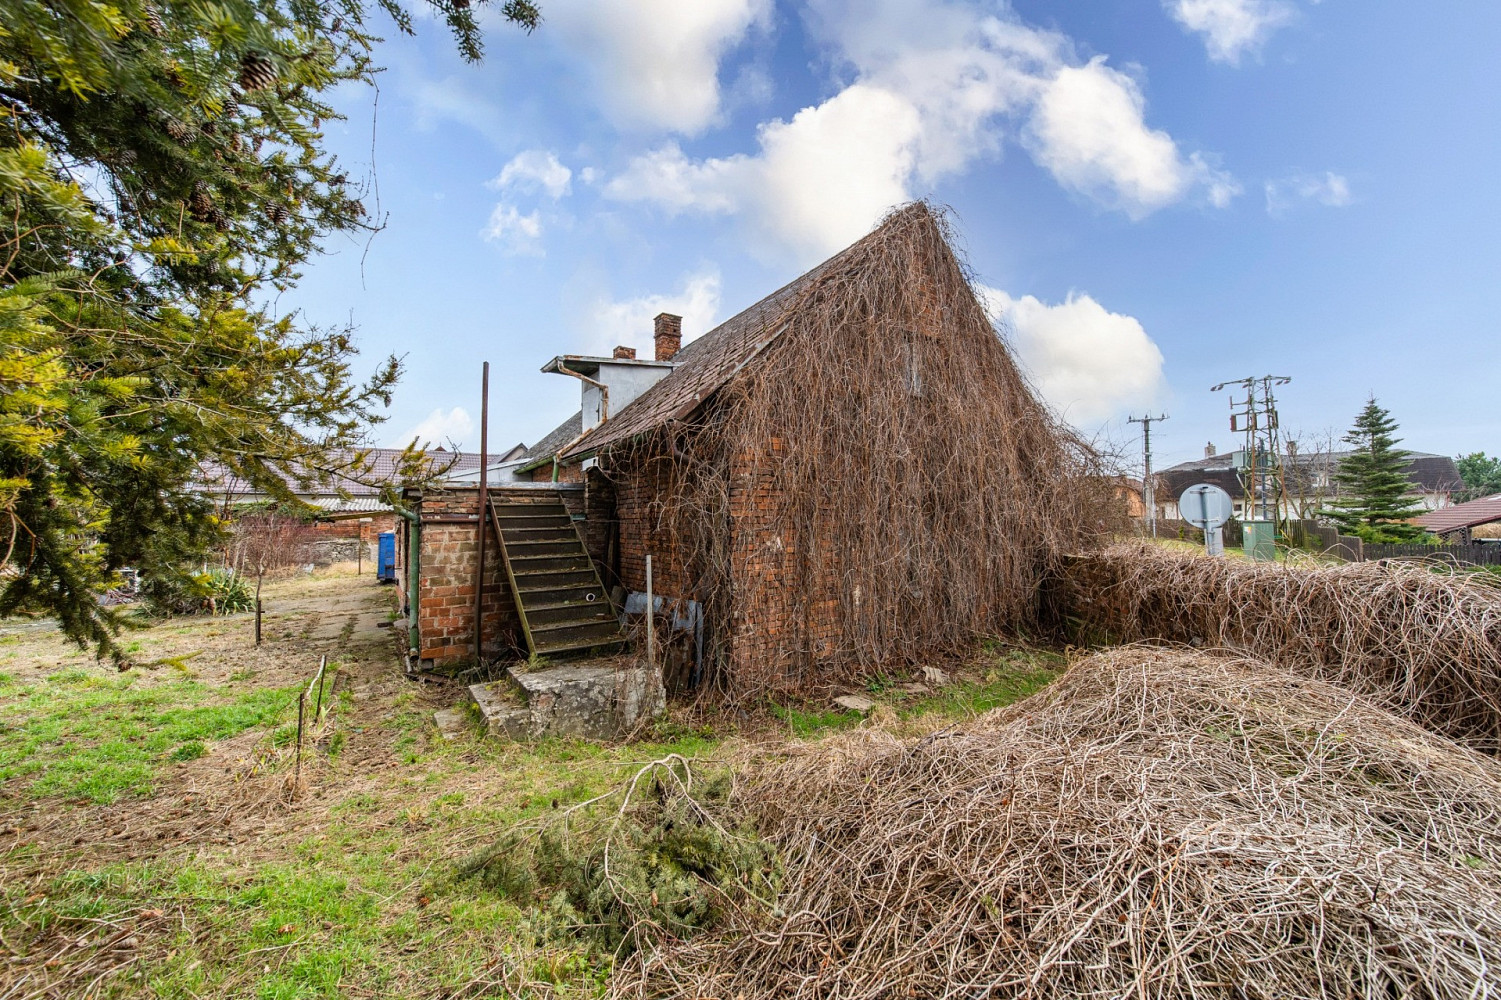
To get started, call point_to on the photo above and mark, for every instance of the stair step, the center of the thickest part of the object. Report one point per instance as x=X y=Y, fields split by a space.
x=578 y=611
x=559 y=563
x=555 y=579
x=544 y=533
x=547 y=596
x=608 y=628
x=517 y=522
x=597 y=648
x=545 y=547
x=531 y=510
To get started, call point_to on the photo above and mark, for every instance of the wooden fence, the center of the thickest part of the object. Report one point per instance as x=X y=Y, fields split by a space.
x=1476 y=554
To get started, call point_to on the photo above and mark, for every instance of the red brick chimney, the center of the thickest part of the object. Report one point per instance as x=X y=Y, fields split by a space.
x=669 y=335
x=625 y=353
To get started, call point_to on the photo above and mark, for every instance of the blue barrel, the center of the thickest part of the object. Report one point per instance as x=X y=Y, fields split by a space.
x=385 y=559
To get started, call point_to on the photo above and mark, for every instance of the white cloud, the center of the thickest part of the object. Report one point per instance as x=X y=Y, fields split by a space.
x=534 y=171
x=816 y=184
x=447 y=428
x=937 y=85
x=655 y=63
x=1231 y=28
x=1088 y=129
x=517 y=234
x=1329 y=189
x=1089 y=363
x=628 y=323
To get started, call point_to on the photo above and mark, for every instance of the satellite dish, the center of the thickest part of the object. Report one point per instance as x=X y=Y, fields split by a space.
x=1206 y=507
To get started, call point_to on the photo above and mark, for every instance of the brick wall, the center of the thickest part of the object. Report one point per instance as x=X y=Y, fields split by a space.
x=446 y=561
x=569 y=473
x=641 y=489
x=783 y=622
x=355 y=528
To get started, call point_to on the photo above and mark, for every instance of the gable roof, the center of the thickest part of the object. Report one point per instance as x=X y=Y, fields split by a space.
x=1429 y=473
x=382 y=466
x=706 y=364
x=1486 y=510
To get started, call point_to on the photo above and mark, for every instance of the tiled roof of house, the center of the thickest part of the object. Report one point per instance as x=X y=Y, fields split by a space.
x=707 y=363
x=1486 y=510
x=382 y=465
x=556 y=438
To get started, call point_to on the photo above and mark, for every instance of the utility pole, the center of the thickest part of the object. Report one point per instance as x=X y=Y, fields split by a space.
x=1260 y=461
x=1148 y=491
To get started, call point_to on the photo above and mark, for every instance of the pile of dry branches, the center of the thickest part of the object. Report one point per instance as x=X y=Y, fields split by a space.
x=1426 y=643
x=880 y=483
x=1170 y=824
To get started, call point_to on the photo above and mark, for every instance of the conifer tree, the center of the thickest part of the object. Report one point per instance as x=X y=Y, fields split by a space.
x=1374 y=496
x=162 y=171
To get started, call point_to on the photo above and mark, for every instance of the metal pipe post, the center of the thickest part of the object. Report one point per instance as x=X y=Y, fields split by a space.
x=482 y=528
x=651 y=625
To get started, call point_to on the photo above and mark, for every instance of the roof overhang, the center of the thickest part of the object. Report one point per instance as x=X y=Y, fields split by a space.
x=586 y=364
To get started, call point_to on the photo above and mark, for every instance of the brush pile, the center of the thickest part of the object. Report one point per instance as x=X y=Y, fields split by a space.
x=1426 y=644
x=1166 y=824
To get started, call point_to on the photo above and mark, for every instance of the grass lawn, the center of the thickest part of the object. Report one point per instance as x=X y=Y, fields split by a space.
x=153 y=842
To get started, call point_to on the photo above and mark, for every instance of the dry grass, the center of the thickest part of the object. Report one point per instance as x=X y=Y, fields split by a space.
x=906 y=489
x=1426 y=643
x=1166 y=824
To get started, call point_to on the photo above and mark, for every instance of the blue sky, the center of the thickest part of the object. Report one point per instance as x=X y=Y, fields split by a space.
x=1157 y=195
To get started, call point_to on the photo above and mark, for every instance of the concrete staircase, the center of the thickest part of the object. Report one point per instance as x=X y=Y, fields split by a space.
x=564 y=609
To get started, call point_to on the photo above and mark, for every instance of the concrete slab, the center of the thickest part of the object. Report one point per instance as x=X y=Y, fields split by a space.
x=451 y=722
x=855 y=703
x=586 y=699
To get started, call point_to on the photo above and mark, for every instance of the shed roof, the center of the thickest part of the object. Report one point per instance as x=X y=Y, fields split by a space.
x=1486 y=510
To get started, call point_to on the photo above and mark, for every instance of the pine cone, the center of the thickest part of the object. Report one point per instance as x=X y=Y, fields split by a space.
x=179 y=131
x=256 y=71
x=358 y=208
x=200 y=205
x=277 y=213
x=154 y=23
x=218 y=219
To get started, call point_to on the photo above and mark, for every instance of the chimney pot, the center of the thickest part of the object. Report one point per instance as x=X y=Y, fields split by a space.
x=1209 y=450
x=625 y=353
x=669 y=329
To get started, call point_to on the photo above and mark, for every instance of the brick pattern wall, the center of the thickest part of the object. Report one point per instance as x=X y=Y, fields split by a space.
x=640 y=491
x=781 y=625
x=567 y=473
x=445 y=612
x=356 y=528
x=445 y=609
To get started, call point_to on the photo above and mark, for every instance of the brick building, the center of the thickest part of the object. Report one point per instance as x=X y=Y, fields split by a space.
x=848 y=473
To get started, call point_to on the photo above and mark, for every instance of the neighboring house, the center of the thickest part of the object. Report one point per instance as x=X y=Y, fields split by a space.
x=849 y=473
x=1310 y=481
x=1459 y=522
x=349 y=505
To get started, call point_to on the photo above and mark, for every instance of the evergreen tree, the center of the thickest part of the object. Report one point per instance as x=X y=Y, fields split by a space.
x=1374 y=496
x=162 y=171
x=1480 y=475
